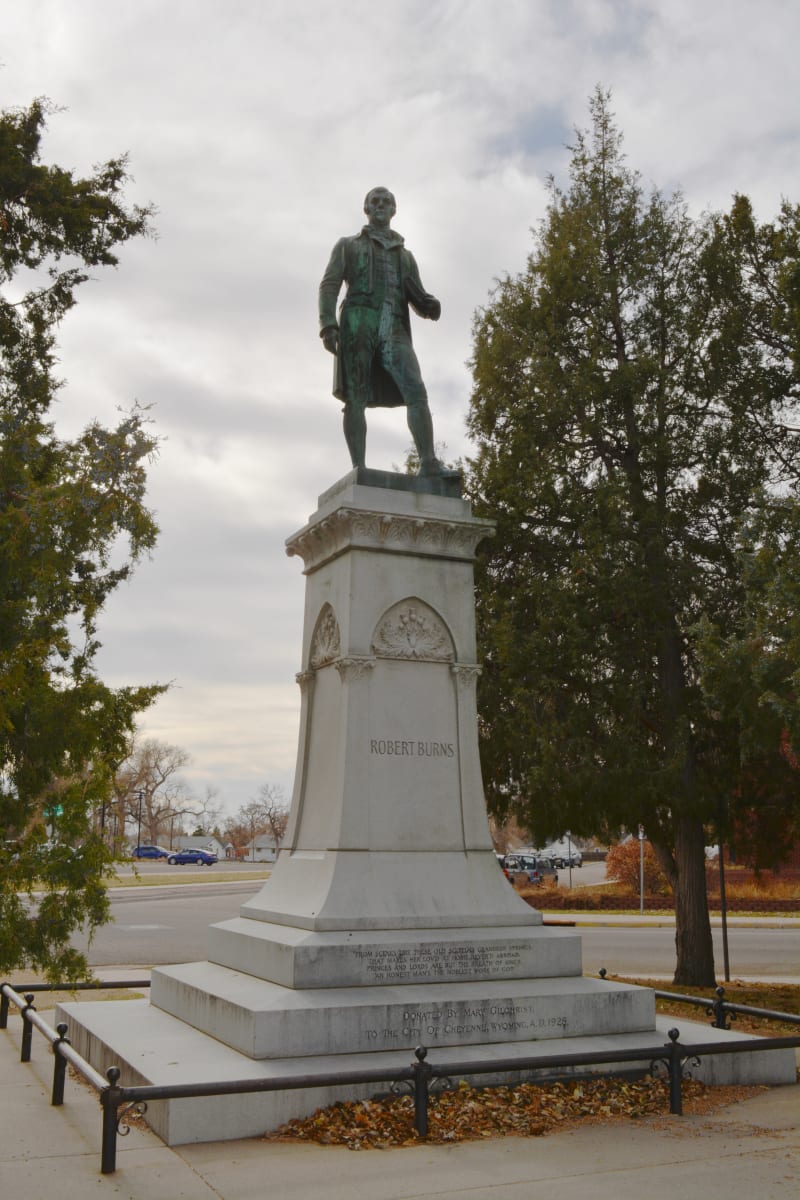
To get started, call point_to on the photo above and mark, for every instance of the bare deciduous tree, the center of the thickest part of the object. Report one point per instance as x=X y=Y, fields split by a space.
x=267 y=813
x=150 y=795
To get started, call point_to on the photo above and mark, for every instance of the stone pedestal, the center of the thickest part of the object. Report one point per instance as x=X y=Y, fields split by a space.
x=386 y=922
x=388 y=826
x=387 y=878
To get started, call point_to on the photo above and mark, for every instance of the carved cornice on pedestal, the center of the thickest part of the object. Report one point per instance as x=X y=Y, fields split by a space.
x=367 y=530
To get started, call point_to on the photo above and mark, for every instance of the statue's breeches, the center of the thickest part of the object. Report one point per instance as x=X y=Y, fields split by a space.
x=378 y=363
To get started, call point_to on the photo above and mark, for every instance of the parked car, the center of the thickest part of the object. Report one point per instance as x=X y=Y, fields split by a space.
x=562 y=855
x=181 y=857
x=150 y=852
x=522 y=868
x=501 y=862
x=525 y=868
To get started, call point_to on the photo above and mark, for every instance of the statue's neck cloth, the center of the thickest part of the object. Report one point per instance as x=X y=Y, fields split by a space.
x=384 y=237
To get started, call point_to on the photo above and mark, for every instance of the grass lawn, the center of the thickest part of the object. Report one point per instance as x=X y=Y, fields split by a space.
x=177 y=875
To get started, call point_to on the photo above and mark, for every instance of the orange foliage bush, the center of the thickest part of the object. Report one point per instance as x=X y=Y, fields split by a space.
x=622 y=864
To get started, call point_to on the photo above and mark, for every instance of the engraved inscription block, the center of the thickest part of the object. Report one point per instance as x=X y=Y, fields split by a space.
x=494 y=1021
x=384 y=957
x=412 y=748
x=430 y=961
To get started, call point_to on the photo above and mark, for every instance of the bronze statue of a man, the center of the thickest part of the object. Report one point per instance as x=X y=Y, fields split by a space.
x=375 y=361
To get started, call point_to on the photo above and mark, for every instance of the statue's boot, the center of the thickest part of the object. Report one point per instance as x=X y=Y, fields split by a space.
x=433 y=467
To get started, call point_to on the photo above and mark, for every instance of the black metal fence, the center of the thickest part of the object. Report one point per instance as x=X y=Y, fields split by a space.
x=724 y=1010
x=421 y=1076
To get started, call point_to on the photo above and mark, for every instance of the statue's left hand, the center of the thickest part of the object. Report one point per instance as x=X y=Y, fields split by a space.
x=330 y=339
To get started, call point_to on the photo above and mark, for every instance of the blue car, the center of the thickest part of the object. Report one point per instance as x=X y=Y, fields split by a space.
x=150 y=852
x=192 y=856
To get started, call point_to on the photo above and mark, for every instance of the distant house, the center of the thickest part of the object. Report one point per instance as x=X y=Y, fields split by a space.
x=262 y=849
x=205 y=842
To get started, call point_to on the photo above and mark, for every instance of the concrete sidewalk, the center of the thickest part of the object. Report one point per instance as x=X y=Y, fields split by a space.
x=752 y=1148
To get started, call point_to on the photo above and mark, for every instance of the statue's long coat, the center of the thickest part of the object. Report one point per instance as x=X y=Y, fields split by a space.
x=352 y=263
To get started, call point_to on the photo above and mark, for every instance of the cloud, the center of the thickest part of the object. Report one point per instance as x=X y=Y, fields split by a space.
x=256 y=127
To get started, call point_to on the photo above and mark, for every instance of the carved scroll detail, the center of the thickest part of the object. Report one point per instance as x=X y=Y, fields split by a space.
x=466 y=676
x=353 y=668
x=326 y=644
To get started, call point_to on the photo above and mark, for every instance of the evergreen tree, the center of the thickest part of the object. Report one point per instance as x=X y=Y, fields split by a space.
x=65 y=506
x=633 y=391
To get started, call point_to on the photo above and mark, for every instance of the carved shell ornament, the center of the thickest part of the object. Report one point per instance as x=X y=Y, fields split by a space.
x=326 y=644
x=412 y=630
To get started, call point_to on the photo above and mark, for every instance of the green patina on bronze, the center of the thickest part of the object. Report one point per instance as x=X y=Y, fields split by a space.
x=376 y=365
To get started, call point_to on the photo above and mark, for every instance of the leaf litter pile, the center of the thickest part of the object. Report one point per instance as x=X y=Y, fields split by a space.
x=524 y=1110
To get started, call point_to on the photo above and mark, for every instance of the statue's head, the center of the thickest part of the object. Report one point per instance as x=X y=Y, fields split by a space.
x=379 y=205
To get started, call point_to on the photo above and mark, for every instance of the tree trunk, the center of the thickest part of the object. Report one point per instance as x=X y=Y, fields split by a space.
x=693 y=944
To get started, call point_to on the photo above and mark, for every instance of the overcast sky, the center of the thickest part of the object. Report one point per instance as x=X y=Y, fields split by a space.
x=256 y=127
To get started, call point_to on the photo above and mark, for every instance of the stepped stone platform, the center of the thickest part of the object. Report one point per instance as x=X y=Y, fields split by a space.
x=155 y=1048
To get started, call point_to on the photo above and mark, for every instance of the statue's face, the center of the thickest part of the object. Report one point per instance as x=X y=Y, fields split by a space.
x=380 y=207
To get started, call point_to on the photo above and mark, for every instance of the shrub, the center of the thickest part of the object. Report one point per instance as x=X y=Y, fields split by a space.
x=622 y=864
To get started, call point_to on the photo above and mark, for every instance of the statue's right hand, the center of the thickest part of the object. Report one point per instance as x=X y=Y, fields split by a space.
x=330 y=339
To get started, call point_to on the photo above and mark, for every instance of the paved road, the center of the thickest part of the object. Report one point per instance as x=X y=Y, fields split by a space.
x=760 y=952
x=165 y=924
x=168 y=924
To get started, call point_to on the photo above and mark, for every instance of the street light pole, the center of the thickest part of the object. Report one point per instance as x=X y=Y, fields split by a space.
x=723 y=899
x=139 y=796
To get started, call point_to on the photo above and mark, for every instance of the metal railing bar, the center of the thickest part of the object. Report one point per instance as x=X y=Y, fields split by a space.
x=699 y=1000
x=749 y=1011
x=96 y=985
x=61 y=1047
x=183 y=1091
x=729 y=1006
x=92 y=985
x=235 y=1087
x=67 y=1051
